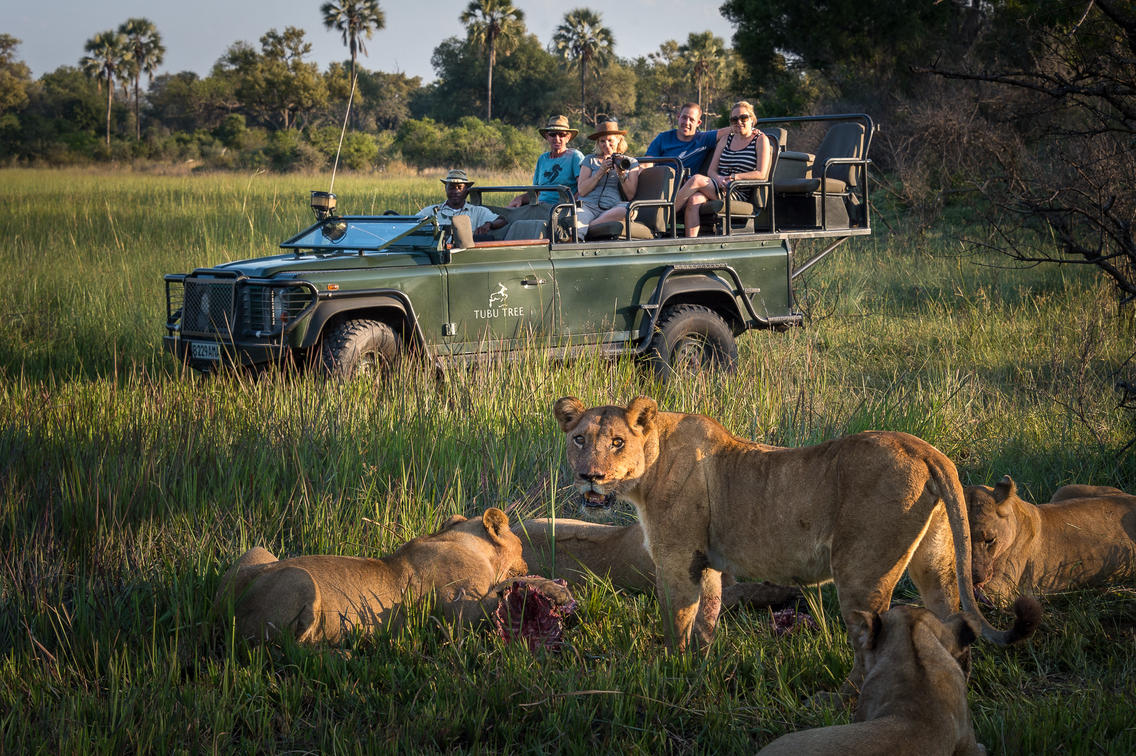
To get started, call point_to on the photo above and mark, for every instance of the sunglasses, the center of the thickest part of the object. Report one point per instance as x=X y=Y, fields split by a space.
x=559 y=134
x=739 y=118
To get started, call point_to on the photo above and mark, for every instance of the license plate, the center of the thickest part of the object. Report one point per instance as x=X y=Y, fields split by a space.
x=205 y=350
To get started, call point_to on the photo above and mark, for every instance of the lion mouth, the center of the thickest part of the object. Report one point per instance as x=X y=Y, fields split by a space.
x=596 y=499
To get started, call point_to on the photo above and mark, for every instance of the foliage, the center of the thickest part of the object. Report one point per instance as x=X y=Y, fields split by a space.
x=584 y=42
x=471 y=144
x=530 y=84
x=108 y=56
x=146 y=54
x=15 y=76
x=275 y=86
x=356 y=20
x=494 y=26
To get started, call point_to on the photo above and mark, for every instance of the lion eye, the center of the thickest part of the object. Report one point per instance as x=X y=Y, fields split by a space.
x=578 y=440
x=617 y=443
x=989 y=541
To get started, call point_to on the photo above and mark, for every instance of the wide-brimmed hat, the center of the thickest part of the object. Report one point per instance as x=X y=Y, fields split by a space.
x=607 y=128
x=456 y=176
x=558 y=123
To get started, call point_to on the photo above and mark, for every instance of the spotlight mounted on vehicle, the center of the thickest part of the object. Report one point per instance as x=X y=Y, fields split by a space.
x=323 y=203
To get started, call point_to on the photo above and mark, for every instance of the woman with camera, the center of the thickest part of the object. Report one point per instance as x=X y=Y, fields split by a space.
x=608 y=178
x=745 y=153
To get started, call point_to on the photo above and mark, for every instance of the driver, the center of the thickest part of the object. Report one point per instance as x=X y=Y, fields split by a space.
x=482 y=219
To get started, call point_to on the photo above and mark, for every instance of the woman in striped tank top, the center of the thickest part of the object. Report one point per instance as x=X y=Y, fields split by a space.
x=745 y=153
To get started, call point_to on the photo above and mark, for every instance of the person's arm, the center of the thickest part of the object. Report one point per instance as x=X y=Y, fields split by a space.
x=629 y=181
x=590 y=178
x=523 y=199
x=495 y=221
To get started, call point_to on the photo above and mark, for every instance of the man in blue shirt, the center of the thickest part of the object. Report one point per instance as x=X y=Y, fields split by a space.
x=560 y=165
x=692 y=147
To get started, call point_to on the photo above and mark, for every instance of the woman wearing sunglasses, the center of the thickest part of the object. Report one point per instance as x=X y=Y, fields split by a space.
x=745 y=153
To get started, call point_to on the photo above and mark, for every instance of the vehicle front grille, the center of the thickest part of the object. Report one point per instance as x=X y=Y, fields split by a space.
x=226 y=308
x=208 y=307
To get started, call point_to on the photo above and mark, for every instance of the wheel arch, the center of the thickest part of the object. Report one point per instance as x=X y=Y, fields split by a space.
x=706 y=290
x=393 y=308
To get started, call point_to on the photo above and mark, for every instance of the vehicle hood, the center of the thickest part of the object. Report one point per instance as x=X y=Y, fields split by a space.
x=269 y=267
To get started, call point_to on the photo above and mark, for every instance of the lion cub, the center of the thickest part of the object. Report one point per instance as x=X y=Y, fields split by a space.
x=913 y=699
x=324 y=598
x=1086 y=535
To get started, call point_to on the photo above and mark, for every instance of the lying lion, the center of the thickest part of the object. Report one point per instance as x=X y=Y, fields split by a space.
x=858 y=510
x=324 y=598
x=914 y=695
x=576 y=550
x=1086 y=535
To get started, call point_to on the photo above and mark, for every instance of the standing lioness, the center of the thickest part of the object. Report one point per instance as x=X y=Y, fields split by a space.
x=856 y=510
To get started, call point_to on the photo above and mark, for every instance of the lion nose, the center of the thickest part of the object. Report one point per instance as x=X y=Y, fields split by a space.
x=591 y=477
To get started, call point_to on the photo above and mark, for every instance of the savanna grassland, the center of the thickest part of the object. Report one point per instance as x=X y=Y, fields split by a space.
x=127 y=486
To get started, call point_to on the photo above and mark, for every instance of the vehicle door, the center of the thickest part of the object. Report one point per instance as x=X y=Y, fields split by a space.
x=500 y=296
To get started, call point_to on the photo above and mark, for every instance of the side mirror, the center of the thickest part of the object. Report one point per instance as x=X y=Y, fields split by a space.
x=462 y=231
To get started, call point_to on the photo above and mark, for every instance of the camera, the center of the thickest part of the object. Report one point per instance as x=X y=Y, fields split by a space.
x=620 y=162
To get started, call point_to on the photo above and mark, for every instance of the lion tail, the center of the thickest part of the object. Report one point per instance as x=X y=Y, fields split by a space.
x=1027 y=610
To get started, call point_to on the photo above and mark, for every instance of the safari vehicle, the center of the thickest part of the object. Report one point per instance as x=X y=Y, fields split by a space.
x=351 y=294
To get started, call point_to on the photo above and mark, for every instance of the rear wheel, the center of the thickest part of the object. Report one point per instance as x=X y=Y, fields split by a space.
x=360 y=347
x=691 y=338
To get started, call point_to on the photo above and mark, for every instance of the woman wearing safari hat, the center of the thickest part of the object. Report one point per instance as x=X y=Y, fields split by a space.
x=606 y=185
x=560 y=165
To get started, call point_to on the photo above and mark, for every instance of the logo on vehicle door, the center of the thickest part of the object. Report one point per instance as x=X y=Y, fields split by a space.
x=497 y=306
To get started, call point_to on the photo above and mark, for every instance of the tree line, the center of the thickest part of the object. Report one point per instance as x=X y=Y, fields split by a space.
x=268 y=105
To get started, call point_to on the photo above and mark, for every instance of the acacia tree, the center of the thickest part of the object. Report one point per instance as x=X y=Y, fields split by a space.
x=705 y=56
x=146 y=54
x=582 y=40
x=108 y=55
x=493 y=25
x=354 y=19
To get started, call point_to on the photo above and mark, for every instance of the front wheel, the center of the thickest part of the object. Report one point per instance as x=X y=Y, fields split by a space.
x=359 y=347
x=690 y=338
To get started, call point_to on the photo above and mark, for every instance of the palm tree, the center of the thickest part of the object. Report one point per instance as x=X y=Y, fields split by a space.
x=494 y=25
x=108 y=54
x=583 y=40
x=354 y=19
x=147 y=52
x=706 y=55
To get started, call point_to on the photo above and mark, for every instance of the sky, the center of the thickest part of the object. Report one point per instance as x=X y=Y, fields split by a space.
x=197 y=32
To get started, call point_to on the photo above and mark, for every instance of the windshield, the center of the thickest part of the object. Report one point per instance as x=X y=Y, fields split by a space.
x=366 y=233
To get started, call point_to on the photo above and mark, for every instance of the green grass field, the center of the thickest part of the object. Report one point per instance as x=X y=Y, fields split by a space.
x=128 y=486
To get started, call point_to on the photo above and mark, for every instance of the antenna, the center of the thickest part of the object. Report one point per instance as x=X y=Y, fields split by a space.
x=323 y=203
x=343 y=131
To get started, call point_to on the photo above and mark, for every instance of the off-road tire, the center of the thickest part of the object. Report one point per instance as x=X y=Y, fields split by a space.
x=359 y=347
x=689 y=338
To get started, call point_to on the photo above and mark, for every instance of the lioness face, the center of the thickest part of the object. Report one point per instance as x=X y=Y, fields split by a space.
x=608 y=447
x=992 y=530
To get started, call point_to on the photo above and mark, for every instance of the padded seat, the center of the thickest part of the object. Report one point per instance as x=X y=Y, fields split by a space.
x=650 y=208
x=829 y=194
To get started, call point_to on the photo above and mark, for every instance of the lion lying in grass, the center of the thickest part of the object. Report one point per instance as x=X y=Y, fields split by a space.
x=913 y=699
x=325 y=598
x=1086 y=535
x=857 y=510
x=576 y=549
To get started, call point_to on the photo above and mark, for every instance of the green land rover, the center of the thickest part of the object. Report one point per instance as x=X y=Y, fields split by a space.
x=352 y=294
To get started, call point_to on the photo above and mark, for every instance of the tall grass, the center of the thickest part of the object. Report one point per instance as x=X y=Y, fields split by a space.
x=128 y=486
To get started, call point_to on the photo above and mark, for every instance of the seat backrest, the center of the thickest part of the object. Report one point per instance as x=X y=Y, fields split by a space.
x=656 y=182
x=779 y=135
x=843 y=140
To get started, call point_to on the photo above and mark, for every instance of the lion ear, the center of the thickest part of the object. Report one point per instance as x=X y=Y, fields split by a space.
x=965 y=631
x=496 y=523
x=1003 y=491
x=568 y=410
x=641 y=413
x=867 y=629
x=454 y=520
